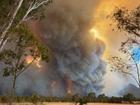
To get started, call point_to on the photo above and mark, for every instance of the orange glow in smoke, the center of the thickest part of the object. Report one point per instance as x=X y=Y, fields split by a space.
x=37 y=62
x=69 y=92
x=29 y=59
x=94 y=32
x=69 y=86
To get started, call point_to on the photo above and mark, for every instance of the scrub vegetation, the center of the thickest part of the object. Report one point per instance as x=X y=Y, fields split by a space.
x=90 y=98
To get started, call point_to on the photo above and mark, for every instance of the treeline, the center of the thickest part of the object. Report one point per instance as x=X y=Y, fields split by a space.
x=90 y=98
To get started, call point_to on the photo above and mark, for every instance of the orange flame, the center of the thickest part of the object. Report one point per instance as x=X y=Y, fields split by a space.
x=29 y=59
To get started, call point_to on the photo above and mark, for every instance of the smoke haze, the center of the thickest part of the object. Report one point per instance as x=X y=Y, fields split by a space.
x=76 y=65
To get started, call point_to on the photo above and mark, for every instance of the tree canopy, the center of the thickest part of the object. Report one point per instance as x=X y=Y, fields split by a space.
x=128 y=21
x=17 y=42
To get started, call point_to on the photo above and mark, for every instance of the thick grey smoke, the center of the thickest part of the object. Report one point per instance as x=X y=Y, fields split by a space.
x=76 y=53
x=76 y=65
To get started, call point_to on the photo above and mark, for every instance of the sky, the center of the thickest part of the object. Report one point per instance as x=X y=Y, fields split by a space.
x=112 y=40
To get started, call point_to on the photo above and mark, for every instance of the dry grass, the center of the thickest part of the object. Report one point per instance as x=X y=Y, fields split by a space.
x=58 y=103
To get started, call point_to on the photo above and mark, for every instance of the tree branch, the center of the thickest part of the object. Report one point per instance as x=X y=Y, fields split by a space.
x=33 y=6
x=3 y=35
x=25 y=68
x=137 y=69
x=132 y=77
x=137 y=34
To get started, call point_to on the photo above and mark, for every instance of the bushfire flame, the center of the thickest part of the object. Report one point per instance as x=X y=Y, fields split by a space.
x=29 y=59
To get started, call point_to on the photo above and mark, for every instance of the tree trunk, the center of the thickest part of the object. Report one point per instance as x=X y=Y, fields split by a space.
x=14 y=85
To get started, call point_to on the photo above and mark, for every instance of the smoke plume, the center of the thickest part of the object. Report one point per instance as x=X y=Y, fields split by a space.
x=76 y=65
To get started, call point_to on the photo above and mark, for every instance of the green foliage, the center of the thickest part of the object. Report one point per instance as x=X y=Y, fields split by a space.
x=21 y=42
x=4 y=11
x=6 y=72
x=22 y=11
x=20 y=46
x=29 y=40
x=34 y=98
x=8 y=7
x=82 y=102
x=76 y=98
x=129 y=97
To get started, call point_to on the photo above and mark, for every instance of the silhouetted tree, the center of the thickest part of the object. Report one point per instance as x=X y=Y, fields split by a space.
x=16 y=42
x=82 y=102
x=91 y=97
x=129 y=22
x=129 y=97
x=102 y=98
x=76 y=98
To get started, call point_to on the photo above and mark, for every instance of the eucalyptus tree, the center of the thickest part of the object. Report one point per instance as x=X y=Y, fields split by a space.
x=22 y=45
x=128 y=21
x=14 y=13
x=16 y=41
